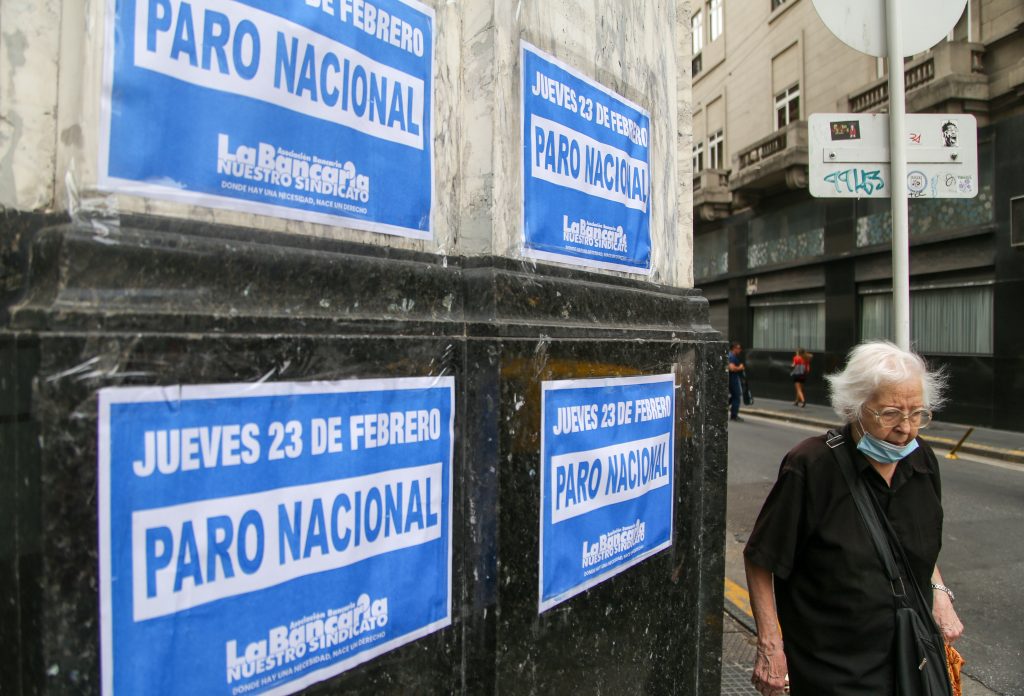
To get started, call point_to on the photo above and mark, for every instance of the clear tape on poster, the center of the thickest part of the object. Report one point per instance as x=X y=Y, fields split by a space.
x=92 y=209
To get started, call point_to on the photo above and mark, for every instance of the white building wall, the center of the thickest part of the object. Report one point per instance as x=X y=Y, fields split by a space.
x=51 y=67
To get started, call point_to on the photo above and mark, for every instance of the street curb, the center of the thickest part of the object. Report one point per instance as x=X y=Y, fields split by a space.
x=1015 y=456
x=741 y=617
x=790 y=418
x=1009 y=455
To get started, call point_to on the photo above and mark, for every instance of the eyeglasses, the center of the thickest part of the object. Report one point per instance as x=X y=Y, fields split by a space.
x=891 y=417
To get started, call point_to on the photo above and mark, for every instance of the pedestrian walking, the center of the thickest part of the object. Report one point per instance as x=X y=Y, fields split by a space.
x=812 y=565
x=736 y=373
x=799 y=370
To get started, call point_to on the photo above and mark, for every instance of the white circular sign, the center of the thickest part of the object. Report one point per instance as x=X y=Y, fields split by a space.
x=860 y=24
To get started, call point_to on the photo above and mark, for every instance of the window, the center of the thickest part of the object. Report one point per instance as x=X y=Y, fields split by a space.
x=789 y=325
x=942 y=320
x=711 y=254
x=931 y=217
x=697 y=29
x=790 y=234
x=716 y=150
x=787 y=107
x=714 y=19
x=698 y=157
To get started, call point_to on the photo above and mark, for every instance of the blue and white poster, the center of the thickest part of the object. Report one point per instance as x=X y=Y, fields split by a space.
x=586 y=169
x=314 y=110
x=258 y=538
x=607 y=486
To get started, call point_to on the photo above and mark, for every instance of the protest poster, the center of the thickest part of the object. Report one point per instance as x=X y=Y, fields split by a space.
x=257 y=538
x=607 y=482
x=586 y=169
x=318 y=110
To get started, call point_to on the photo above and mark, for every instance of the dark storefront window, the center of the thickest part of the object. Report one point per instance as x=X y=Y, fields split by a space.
x=931 y=216
x=943 y=320
x=711 y=254
x=797 y=232
x=781 y=324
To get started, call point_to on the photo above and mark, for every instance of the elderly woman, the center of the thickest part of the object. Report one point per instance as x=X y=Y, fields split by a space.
x=811 y=565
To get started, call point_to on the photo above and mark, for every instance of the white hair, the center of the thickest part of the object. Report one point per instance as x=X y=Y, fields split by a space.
x=873 y=365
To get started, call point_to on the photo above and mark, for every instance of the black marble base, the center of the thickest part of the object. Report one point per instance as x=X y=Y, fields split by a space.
x=165 y=302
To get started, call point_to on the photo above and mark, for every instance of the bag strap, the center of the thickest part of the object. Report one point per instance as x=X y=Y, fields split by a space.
x=868 y=511
x=917 y=599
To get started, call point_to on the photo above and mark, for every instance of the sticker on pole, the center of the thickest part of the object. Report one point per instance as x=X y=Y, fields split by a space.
x=848 y=155
x=256 y=538
x=586 y=169
x=607 y=485
x=317 y=111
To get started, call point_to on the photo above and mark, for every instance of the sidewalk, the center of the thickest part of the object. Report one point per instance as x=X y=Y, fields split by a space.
x=983 y=442
x=738 y=625
x=738 y=658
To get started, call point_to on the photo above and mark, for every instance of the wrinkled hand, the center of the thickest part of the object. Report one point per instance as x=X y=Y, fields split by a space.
x=770 y=672
x=946 y=618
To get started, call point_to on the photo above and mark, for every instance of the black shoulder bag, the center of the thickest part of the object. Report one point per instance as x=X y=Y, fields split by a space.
x=919 y=650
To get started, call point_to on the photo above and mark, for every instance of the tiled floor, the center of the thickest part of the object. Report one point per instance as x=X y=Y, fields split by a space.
x=737 y=659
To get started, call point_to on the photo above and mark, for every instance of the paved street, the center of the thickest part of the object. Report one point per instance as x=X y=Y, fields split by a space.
x=983 y=551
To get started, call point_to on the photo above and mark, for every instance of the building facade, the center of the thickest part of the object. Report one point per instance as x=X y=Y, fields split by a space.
x=784 y=270
x=187 y=224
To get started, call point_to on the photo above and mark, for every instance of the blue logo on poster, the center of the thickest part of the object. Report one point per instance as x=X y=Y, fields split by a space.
x=586 y=169
x=317 y=110
x=606 y=491
x=272 y=525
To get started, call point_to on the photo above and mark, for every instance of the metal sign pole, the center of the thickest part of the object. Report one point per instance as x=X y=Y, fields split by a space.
x=898 y=168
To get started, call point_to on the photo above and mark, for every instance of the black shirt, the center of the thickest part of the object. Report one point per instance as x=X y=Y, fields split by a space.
x=834 y=601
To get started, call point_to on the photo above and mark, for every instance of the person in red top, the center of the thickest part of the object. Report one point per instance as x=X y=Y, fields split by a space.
x=800 y=368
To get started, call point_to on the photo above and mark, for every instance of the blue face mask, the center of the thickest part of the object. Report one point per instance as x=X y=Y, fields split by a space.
x=881 y=451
